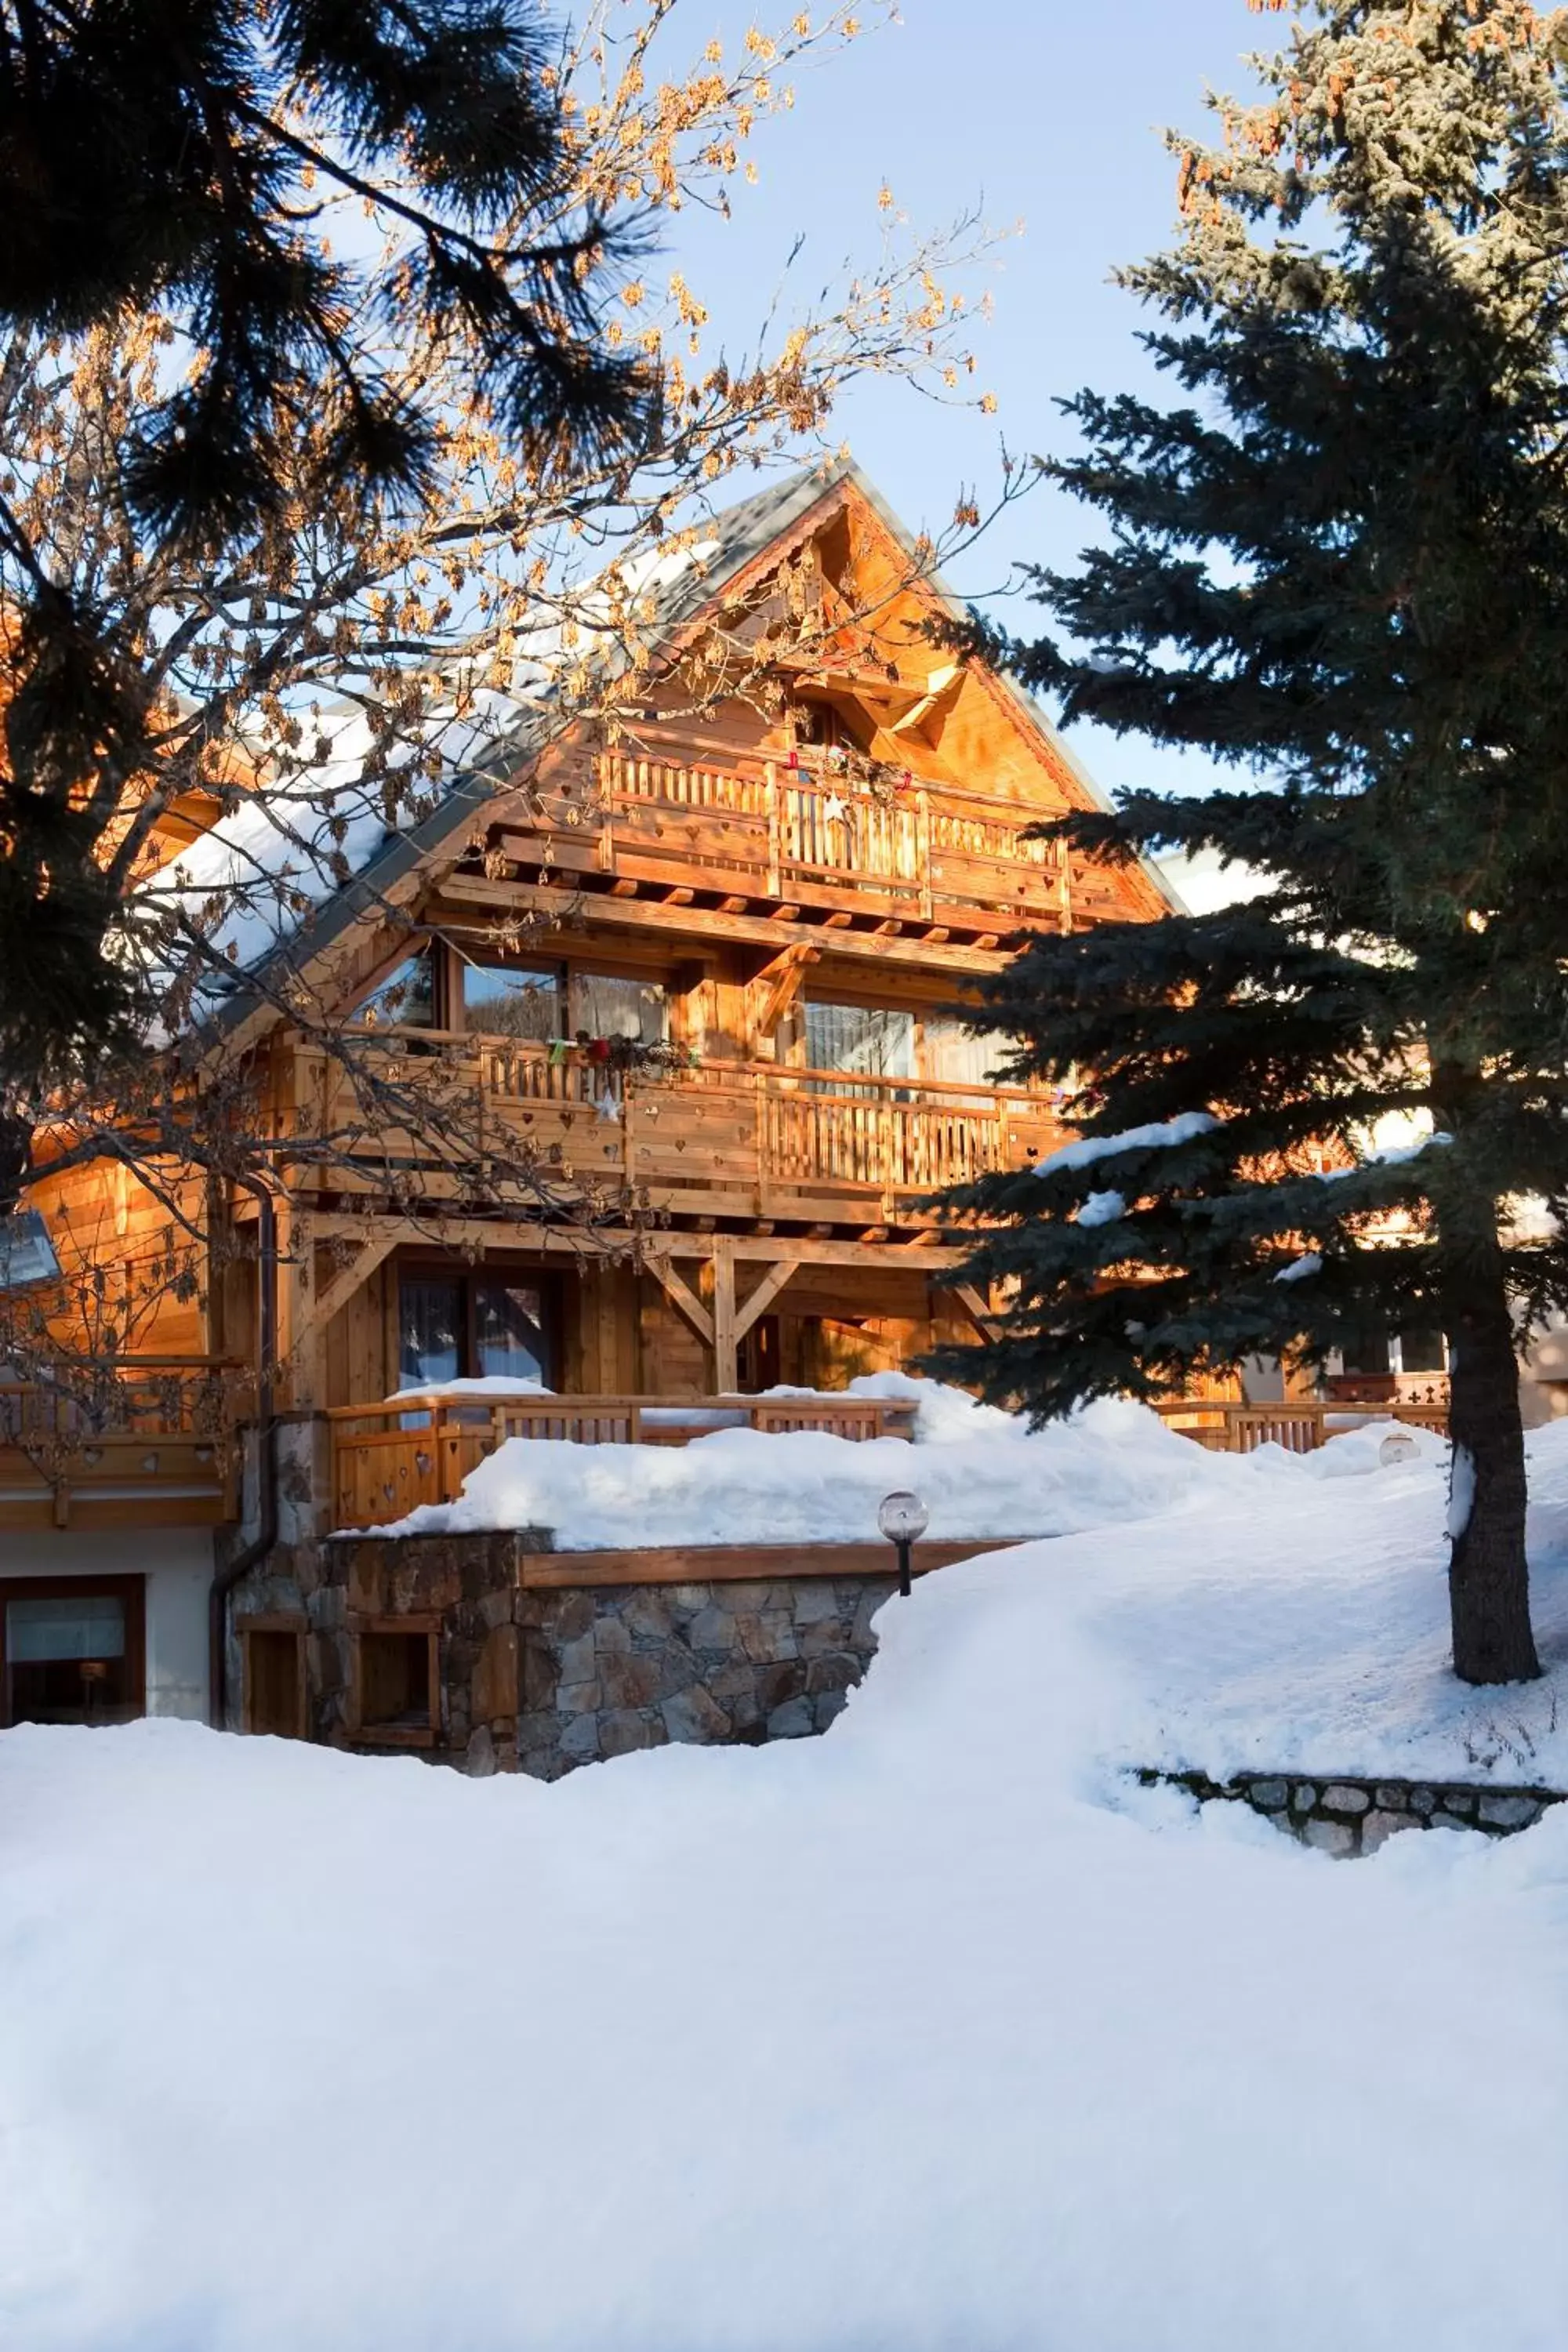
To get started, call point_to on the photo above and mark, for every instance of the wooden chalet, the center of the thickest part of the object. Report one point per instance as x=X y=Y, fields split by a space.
x=696 y=983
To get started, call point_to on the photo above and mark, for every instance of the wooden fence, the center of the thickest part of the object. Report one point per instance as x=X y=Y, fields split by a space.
x=1299 y=1428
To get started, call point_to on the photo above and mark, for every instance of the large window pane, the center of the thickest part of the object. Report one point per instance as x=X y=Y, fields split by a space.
x=1367 y=1353
x=605 y=1004
x=1421 y=1350
x=510 y=1334
x=90 y=1626
x=949 y=1053
x=407 y=997
x=509 y=1001
x=431 y=1332
x=67 y=1660
x=861 y=1038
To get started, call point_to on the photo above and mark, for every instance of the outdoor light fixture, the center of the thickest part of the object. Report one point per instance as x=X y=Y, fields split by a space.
x=902 y=1518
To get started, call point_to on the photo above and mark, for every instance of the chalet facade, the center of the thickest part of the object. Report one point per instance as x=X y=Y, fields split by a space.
x=690 y=996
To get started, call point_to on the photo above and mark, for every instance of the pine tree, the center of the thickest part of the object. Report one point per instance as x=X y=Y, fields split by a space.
x=1342 y=567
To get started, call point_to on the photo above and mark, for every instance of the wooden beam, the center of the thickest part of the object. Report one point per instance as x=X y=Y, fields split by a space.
x=728 y=1564
x=647 y=915
x=679 y=897
x=940 y=683
x=350 y=1278
x=787 y=973
x=754 y=1308
x=587 y=1244
x=682 y=1297
x=977 y=1308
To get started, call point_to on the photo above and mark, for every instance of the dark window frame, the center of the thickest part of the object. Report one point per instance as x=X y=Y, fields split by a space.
x=129 y=1590
x=546 y=1280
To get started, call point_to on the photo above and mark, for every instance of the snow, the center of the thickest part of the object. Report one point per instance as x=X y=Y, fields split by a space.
x=1398 y=1157
x=936 y=2032
x=499 y=1385
x=1300 y=1267
x=1156 y=1137
x=1462 y=1492
x=981 y=1473
x=1102 y=1208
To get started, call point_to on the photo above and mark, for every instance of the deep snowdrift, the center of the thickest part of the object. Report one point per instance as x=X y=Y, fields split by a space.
x=983 y=1474
x=934 y=2036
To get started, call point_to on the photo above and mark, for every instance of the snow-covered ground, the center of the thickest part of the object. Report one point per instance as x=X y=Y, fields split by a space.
x=933 y=2035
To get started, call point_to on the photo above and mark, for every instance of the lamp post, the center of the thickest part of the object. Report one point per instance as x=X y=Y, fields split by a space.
x=903 y=1517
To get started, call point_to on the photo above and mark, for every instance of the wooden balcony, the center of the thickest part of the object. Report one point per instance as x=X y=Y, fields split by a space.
x=133 y=1444
x=721 y=1138
x=382 y=1467
x=761 y=831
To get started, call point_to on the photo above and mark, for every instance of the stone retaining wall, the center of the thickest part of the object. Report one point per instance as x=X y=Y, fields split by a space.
x=1344 y=1815
x=541 y=1681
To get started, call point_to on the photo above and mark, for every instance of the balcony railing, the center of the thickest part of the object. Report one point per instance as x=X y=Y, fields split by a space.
x=136 y=1443
x=738 y=1137
x=1300 y=1428
x=383 y=1467
x=773 y=832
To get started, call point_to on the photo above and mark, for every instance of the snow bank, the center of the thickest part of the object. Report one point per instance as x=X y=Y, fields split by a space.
x=933 y=2033
x=981 y=1473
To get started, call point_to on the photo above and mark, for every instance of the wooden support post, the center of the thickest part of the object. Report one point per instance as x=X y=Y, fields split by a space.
x=726 y=1337
x=922 y=851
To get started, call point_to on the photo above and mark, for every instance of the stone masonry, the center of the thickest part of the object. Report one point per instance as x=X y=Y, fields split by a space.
x=1342 y=1815
x=542 y=1680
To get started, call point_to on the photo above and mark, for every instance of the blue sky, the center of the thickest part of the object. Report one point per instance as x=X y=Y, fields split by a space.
x=1051 y=112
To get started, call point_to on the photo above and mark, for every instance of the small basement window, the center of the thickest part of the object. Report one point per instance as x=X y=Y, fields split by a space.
x=396 y=1697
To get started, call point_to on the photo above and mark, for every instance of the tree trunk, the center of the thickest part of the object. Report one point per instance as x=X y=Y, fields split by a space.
x=1488 y=1580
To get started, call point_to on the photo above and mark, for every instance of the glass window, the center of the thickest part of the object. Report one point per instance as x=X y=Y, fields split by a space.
x=67 y=1660
x=90 y=1627
x=407 y=997
x=606 y=1005
x=510 y=1337
x=1421 y=1350
x=1367 y=1353
x=949 y=1053
x=458 y=1327
x=512 y=1001
x=431 y=1332
x=859 y=1037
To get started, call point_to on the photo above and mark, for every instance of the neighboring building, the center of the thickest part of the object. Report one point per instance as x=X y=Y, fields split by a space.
x=729 y=1005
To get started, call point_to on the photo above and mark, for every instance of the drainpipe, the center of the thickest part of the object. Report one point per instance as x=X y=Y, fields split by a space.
x=225 y=1579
